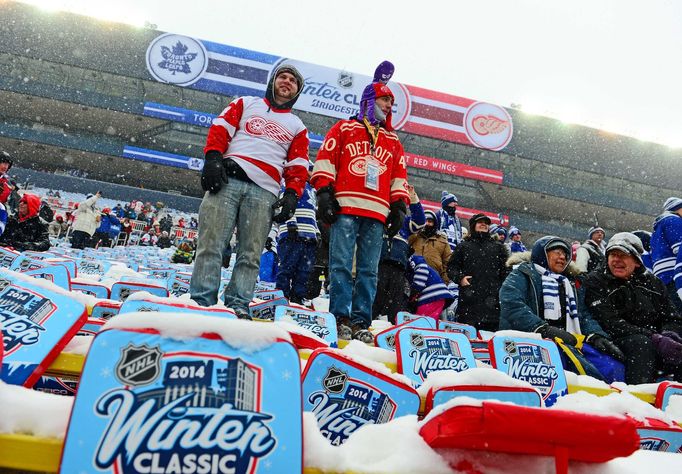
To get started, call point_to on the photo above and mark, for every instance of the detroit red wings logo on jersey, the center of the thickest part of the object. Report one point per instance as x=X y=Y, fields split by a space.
x=258 y=126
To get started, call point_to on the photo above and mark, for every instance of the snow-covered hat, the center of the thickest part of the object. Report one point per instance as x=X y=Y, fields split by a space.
x=628 y=243
x=672 y=204
x=447 y=198
x=593 y=230
x=514 y=231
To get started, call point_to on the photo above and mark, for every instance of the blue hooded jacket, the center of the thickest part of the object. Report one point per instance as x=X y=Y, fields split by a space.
x=521 y=302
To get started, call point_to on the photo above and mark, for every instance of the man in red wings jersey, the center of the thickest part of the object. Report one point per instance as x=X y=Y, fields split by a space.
x=361 y=180
x=251 y=146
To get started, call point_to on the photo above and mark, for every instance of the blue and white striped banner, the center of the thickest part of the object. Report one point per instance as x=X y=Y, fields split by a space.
x=232 y=71
x=200 y=119
x=163 y=158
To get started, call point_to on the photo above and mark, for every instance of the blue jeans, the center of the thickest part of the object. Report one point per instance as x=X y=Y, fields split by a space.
x=296 y=260
x=249 y=207
x=350 y=300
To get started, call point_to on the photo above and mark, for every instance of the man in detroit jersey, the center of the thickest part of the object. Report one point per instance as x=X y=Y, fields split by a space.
x=253 y=145
x=361 y=181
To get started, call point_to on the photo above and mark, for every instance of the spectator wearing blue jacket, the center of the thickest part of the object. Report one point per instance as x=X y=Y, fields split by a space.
x=516 y=244
x=665 y=249
x=296 y=245
x=432 y=295
x=268 y=262
x=448 y=221
x=392 y=285
x=108 y=229
x=119 y=211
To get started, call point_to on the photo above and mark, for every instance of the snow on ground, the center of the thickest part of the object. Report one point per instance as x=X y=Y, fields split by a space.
x=35 y=413
x=374 y=353
x=477 y=376
x=244 y=335
x=622 y=403
x=394 y=447
x=585 y=381
x=649 y=388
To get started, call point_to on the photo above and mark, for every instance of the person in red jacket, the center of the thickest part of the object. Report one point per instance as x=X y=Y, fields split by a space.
x=361 y=180
x=251 y=146
x=26 y=231
x=6 y=187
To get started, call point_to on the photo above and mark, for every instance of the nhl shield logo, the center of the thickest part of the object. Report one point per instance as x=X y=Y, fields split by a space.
x=4 y=284
x=390 y=341
x=417 y=340
x=345 y=79
x=335 y=380
x=510 y=347
x=139 y=365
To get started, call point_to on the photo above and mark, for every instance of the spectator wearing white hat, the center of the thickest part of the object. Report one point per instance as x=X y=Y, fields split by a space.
x=590 y=254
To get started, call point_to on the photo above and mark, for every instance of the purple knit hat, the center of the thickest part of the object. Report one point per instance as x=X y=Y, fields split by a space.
x=377 y=88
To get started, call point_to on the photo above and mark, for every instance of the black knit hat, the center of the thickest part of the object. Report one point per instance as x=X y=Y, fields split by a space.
x=478 y=217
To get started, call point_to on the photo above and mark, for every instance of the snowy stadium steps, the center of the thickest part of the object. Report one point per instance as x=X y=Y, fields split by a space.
x=26 y=453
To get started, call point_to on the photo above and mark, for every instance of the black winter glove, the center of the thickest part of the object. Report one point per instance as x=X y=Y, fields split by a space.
x=288 y=203
x=395 y=219
x=327 y=205
x=605 y=346
x=213 y=175
x=550 y=332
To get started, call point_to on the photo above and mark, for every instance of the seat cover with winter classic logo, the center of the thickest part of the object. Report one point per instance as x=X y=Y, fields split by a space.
x=536 y=361
x=422 y=351
x=344 y=394
x=38 y=319
x=223 y=397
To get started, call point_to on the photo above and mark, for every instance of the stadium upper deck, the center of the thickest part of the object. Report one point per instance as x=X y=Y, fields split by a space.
x=77 y=93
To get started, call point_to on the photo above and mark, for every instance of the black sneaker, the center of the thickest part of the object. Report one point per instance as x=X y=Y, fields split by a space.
x=243 y=314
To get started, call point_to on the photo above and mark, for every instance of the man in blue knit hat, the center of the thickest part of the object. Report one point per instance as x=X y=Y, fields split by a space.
x=449 y=222
x=665 y=249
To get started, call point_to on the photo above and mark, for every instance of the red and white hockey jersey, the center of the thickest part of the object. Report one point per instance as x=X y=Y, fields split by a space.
x=266 y=143
x=342 y=163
